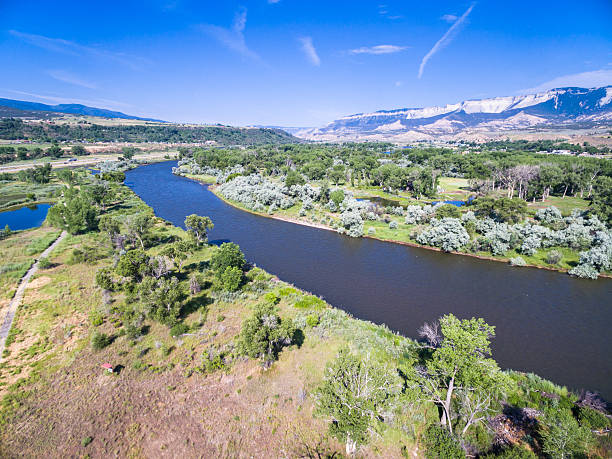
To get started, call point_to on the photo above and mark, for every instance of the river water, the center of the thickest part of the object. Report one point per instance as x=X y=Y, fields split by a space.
x=546 y=322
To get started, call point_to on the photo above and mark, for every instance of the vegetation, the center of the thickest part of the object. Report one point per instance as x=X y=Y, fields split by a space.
x=205 y=358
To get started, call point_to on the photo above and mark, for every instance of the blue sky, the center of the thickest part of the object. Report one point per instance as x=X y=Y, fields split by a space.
x=295 y=62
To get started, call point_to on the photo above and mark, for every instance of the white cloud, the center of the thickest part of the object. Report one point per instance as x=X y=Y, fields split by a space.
x=59 y=45
x=449 y=18
x=446 y=39
x=398 y=84
x=592 y=79
x=309 y=51
x=273 y=1
x=378 y=49
x=233 y=38
x=67 y=77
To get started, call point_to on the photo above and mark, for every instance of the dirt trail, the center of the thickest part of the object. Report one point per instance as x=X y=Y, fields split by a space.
x=14 y=304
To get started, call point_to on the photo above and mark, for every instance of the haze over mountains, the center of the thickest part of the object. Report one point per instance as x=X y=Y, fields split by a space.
x=74 y=109
x=557 y=108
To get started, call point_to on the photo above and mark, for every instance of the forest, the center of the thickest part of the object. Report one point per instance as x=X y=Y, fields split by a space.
x=399 y=194
x=16 y=129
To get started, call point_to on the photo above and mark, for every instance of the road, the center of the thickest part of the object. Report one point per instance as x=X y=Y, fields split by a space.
x=14 y=304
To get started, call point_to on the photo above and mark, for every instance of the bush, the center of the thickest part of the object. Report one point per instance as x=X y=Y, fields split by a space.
x=310 y=301
x=231 y=278
x=337 y=196
x=514 y=452
x=228 y=255
x=447 y=210
x=104 y=279
x=517 y=261
x=44 y=263
x=100 y=341
x=179 y=329
x=440 y=444
x=96 y=318
x=312 y=320
x=264 y=334
x=87 y=440
x=593 y=419
x=352 y=222
x=584 y=271
x=549 y=215
x=448 y=234
x=393 y=225
x=553 y=257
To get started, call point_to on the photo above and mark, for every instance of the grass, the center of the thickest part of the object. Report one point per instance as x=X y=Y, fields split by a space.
x=565 y=205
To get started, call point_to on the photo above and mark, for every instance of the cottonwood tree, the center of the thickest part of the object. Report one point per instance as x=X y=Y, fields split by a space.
x=356 y=393
x=178 y=252
x=163 y=298
x=198 y=227
x=460 y=363
x=264 y=334
x=138 y=226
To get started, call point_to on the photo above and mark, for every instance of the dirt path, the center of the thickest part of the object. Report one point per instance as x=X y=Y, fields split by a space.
x=14 y=304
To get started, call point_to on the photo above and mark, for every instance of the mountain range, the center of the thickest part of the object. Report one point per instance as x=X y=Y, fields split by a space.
x=73 y=109
x=556 y=108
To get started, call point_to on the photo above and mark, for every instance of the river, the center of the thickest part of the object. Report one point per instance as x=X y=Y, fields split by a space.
x=546 y=322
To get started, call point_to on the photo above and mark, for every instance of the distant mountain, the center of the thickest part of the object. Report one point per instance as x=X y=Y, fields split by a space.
x=291 y=130
x=73 y=109
x=561 y=107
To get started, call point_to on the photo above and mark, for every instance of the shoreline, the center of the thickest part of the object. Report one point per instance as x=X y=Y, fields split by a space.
x=212 y=189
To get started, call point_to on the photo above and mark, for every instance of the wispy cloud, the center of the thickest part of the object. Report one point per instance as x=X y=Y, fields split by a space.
x=273 y=1
x=59 y=45
x=309 y=51
x=67 y=77
x=383 y=10
x=446 y=39
x=378 y=49
x=592 y=79
x=233 y=38
x=450 y=18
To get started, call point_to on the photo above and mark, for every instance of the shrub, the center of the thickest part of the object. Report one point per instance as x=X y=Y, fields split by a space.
x=439 y=443
x=312 y=320
x=584 y=271
x=371 y=231
x=44 y=263
x=593 y=419
x=549 y=215
x=553 y=257
x=336 y=196
x=96 y=318
x=264 y=334
x=418 y=214
x=87 y=440
x=310 y=301
x=231 y=278
x=179 y=329
x=514 y=452
x=517 y=261
x=448 y=234
x=393 y=225
x=104 y=279
x=447 y=210
x=100 y=340
x=271 y=298
x=352 y=222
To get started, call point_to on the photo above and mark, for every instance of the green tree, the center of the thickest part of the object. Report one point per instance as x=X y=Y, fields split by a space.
x=355 y=393
x=198 y=227
x=134 y=264
x=601 y=198
x=337 y=196
x=228 y=255
x=138 y=227
x=264 y=334
x=294 y=178
x=460 y=364
x=447 y=210
x=562 y=436
x=54 y=151
x=231 y=278
x=163 y=298
x=178 y=252
x=66 y=176
x=78 y=150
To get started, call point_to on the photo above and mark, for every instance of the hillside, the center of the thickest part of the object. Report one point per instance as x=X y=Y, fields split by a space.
x=557 y=109
x=75 y=109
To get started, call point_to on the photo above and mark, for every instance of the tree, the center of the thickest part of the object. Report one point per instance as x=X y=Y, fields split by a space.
x=109 y=225
x=337 y=196
x=294 y=178
x=101 y=194
x=562 y=436
x=134 y=264
x=177 y=252
x=447 y=210
x=74 y=212
x=228 y=255
x=198 y=227
x=138 y=226
x=355 y=393
x=66 y=176
x=460 y=361
x=601 y=198
x=54 y=151
x=163 y=298
x=264 y=334
x=79 y=150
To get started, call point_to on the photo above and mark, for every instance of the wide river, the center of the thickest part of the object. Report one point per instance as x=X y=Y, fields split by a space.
x=546 y=322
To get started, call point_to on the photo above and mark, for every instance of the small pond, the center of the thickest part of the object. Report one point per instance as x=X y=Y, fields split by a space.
x=24 y=217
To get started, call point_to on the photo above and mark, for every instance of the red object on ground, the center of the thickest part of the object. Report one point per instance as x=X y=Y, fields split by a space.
x=107 y=367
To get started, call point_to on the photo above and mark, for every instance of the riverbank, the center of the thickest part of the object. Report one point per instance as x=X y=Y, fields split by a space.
x=169 y=396
x=303 y=222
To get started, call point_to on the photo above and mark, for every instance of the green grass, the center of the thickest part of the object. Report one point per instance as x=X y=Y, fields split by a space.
x=565 y=205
